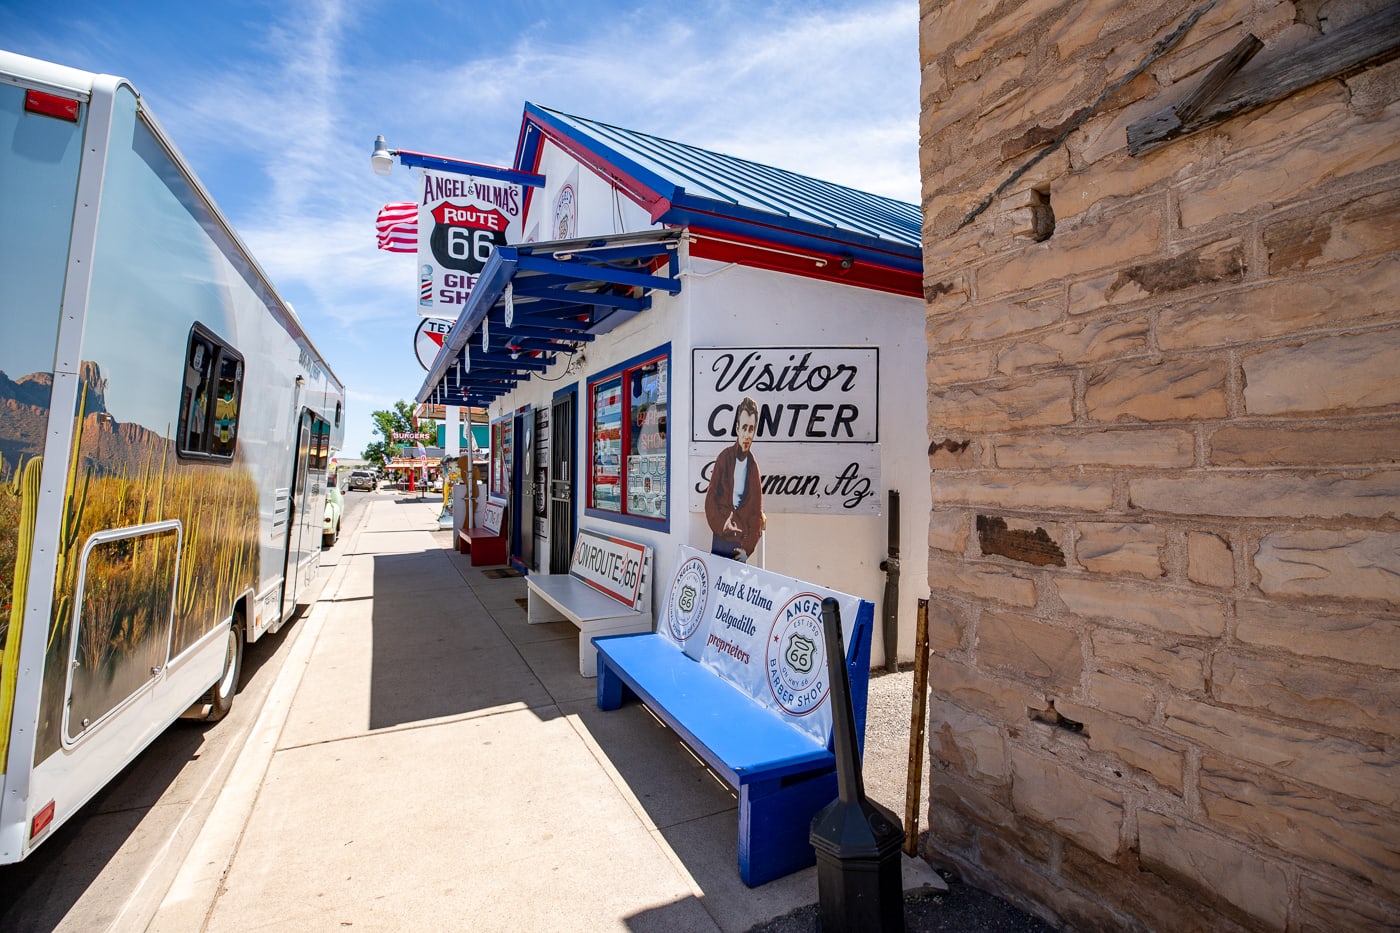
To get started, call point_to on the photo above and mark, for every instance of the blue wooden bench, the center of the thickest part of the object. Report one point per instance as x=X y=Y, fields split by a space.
x=783 y=775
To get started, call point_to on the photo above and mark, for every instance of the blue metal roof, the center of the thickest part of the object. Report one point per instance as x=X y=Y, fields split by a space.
x=688 y=177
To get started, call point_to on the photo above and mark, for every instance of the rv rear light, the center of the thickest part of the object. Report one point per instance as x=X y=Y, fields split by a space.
x=42 y=819
x=51 y=105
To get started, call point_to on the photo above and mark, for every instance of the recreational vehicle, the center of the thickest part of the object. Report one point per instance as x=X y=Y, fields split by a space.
x=165 y=429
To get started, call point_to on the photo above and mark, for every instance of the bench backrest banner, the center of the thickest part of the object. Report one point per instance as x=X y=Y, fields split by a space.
x=613 y=566
x=492 y=514
x=760 y=631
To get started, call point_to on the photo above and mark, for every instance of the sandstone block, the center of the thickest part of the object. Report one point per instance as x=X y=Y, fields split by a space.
x=1121 y=547
x=1161 y=448
x=1117 y=238
x=1321 y=631
x=1269 y=495
x=1280 y=308
x=1309 y=690
x=949 y=367
x=1326 y=906
x=948 y=530
x=1002 y=320
x=1070 y=804
x=970 y=745
x=1026 y=647
x=1314 y=757
x=1356 y=230
x=944 y=295
x=994 y=32
x=985 y=581
x=1344 y=564
x=941 y=26
x=1001 y=405
x=1215 y=264
x=963 y=685
x=1032 y=542
x=1074 y=343
x=1330 y=443
x=1130 y=745
x=1209 y=560
x=973 y=802
x=1210 y=863
x=947 y=625
x=1122 y=697
x=1181 y=666
x=1308 y=824
x=1170 y=611
x=1349 y=373
x=950 y=453
x=1189 y=389
x=1005 y=490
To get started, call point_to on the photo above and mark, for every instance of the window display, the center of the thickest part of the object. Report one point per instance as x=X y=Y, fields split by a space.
x=628 y=451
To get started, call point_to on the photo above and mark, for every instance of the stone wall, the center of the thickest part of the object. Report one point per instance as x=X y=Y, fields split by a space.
x=1164 y=551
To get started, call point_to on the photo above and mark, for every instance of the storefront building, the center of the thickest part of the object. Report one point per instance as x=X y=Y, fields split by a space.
x=657 y=287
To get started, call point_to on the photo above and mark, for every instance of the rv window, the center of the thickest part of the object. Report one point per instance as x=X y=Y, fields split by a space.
x=210 y=397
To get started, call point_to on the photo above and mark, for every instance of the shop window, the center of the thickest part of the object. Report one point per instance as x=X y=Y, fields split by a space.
x=628 y=452
x=210 y=397
x=502 y=456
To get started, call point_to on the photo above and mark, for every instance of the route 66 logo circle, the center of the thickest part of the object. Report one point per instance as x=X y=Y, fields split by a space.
x=685 y=605
x=796 y=663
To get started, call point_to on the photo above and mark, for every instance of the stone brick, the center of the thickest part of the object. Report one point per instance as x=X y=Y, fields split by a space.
x=1161 y=448
x=946 y=368
x=1116 y=238
x=1314 y=757
x=1011 y=317
x=1353 y=372
x=1188 y=389
x=948 y=530
x=1343 y=564
x=1263 y=176
x=1214 y=264
x=1321 y=631
x=986 y=581
x=1083 y=24
x=1173 y=611
x=1036 y=109
x=1181 y=666
x=1027 y=884
x=969 y=688
x=1075 y=343
x=1112 y=176
x=1210 y=863
x=944 y=25
x=947 y=624
x=1356 y=230
x=1027 y=647
x=1002 y=405
x=1308 y=824
x=950 y=453
x=970 y=745
x=1209 y=560
x=1281 y=308
x=1269 y=495
x=1121 y=697
x=945 y=294
x=1028 y=843
x=1325 y=444
x=967 y=101
x=1070 y=804
x=992 y=490
x=1138 y=748
x=1031 y=542
x=1007 y=25
x=1325 y=907
x=973 y=801
x=1121 y=547
x=1309 y=690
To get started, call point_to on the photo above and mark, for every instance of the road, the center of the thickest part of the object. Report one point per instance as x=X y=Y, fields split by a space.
x=110 y=865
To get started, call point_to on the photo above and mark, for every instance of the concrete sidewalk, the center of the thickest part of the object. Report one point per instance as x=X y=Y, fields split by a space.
x=428 y=761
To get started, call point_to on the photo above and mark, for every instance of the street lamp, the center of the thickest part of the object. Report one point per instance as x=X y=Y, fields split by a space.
x=382 y=158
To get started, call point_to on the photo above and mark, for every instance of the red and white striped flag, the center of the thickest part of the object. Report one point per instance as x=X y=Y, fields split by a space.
x=397 y=226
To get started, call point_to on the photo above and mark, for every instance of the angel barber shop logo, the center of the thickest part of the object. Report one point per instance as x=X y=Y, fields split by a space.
x=689 y=593
x=797 y=656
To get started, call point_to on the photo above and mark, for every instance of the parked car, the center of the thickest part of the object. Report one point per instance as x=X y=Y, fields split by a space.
x=362 y=479
x=335 y=510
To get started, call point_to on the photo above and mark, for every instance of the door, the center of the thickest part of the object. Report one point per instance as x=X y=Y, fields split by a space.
x=539 y=519
x=523 y=514
x=563 y=439
x=297 y=543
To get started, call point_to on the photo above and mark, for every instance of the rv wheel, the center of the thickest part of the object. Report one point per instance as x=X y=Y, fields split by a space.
x=220 y=696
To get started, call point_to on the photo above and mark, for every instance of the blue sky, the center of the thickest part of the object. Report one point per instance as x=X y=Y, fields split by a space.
x=276 y=105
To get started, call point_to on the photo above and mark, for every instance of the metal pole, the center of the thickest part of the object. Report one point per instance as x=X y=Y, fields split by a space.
x=918 y=717
x=890 y=565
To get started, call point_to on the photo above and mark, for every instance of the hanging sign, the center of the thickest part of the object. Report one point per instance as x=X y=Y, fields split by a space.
x=428 y=338
x=461 y=220
x=760 y=631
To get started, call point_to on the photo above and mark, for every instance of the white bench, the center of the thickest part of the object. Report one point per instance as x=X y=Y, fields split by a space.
x=607 y=591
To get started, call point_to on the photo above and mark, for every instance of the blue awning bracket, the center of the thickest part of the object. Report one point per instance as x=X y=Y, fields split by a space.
x=562 y=294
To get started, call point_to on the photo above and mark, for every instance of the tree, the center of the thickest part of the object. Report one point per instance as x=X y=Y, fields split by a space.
x=387 y=423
